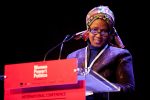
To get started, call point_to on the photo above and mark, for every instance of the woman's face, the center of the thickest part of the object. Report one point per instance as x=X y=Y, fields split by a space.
x=99 y=33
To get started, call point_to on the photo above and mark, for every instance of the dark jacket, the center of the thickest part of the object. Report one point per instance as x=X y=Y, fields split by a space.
x=114 y=64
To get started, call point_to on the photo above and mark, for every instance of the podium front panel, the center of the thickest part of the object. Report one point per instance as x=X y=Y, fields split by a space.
x=32 y=74
x=54 y=77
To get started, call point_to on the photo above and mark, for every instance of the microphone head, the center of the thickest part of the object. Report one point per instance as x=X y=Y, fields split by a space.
x=81 y=35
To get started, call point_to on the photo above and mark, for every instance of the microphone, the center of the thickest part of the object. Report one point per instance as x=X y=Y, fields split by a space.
x=65 y=39
x=61 y=43
x=76 y=36
x=79 y=35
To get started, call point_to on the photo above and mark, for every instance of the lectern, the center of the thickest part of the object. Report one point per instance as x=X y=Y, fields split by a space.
x=43 y=80
x=52 y=80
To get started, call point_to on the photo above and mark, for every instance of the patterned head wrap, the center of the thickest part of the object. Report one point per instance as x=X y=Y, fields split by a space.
x=100 y=12
x=103 y=12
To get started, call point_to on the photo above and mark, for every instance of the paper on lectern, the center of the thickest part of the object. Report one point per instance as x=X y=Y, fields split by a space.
x=97 y=83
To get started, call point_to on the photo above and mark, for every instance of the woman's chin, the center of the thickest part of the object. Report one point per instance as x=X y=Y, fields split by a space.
x=97 y=44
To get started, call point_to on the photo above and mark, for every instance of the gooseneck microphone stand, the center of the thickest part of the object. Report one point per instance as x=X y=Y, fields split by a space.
x=66 y=39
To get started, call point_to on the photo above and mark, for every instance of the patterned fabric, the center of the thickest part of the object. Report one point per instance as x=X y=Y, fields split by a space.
x=102 y=12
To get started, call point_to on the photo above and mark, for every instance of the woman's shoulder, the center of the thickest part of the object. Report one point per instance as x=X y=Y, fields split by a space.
x=119 y=50
x=77 y=52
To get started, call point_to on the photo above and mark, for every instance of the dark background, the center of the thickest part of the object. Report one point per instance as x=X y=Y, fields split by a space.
x=30 y=29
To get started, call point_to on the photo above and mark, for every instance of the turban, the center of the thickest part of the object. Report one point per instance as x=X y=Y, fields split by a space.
x=100 y=12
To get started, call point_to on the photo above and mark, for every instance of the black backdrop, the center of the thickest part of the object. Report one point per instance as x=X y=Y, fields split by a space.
x=30 y=29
